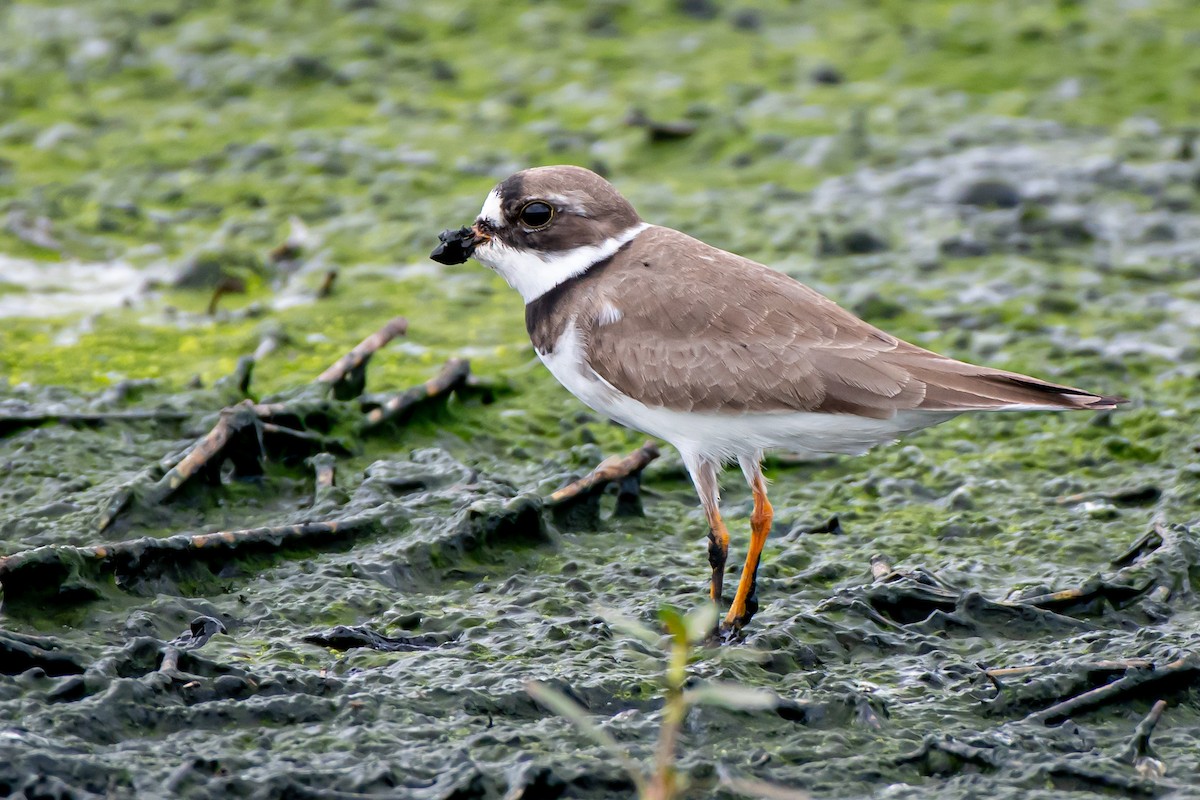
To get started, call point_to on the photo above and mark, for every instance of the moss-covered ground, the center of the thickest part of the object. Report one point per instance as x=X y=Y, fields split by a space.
x=1010 y=183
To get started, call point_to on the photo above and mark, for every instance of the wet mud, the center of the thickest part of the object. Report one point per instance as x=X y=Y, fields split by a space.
x=243 y=557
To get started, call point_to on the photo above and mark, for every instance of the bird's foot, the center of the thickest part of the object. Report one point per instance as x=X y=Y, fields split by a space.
x=728 y=633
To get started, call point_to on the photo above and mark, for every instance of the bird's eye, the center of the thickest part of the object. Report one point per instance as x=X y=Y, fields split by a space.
x=536 y=214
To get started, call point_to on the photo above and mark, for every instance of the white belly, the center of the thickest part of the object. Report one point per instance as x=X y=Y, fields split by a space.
x=727 y=436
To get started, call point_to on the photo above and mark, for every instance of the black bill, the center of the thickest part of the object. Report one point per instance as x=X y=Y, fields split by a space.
x=456 y=246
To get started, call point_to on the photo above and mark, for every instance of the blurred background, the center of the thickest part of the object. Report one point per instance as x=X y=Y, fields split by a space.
x=153 y=151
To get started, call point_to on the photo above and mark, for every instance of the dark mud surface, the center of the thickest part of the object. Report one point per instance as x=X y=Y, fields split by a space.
x=458 y=588
x=989 y=610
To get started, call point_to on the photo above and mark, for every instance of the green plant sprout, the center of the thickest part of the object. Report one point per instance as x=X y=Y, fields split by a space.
x=665 y=781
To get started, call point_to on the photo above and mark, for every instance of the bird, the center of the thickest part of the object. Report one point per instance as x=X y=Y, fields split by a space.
x=720 y=356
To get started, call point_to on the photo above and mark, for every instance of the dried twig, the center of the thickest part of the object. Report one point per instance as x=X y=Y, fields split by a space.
x=236 y=436
x=346 y=638
x=881 y=566
x=20 y=652
x=933 y=745
x=611 y=469
x=240 y=435
x=292 y=445
x=12 y=422
x=347 y=375
x=1155 y=565
x=1181 y=671
x=170 y=664
x=242 y=374
x=1137 y=495
x=227 y=285
x=577 y=505
x=1090 y=666
x=324 y=464
x=453 y=375
x=326 y=287
x=211 y=451
x=46 y=567
x=1139 y=746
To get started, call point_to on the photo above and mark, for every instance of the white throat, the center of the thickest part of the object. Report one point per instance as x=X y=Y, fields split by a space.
x=533 y=274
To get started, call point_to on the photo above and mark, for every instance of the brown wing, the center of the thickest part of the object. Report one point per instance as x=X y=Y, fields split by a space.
x=715 y=332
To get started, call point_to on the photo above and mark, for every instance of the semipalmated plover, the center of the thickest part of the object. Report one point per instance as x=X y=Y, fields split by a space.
x=718 y=355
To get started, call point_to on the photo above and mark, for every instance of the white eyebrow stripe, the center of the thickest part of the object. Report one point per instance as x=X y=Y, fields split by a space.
x=492 y=211
x=566 y=203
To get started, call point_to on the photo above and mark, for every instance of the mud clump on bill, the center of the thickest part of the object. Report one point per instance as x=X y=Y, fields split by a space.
x=454 y=247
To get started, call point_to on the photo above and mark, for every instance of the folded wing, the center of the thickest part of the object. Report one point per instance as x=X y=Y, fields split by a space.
x=725 y=334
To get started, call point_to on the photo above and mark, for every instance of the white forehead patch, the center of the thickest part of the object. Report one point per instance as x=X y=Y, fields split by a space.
x=492 y=211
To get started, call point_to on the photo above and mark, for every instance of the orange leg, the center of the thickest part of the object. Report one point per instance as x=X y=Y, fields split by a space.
x=745 y=602
x=718 y=551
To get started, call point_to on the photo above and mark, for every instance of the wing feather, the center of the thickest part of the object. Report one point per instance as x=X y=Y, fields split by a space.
x=719 y=333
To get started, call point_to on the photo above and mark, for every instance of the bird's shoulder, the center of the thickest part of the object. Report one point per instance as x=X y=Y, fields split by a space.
x=671 y=284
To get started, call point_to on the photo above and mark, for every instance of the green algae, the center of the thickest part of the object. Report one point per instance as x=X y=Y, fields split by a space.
x=191 y=129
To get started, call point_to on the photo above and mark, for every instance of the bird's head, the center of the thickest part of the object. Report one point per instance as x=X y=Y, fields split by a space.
x=541 y=226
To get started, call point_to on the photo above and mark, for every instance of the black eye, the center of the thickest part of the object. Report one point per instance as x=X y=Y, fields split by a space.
x=536 y=214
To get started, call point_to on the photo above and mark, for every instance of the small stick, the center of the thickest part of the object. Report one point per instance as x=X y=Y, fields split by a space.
x=1146 y=540
x=326 y=287
x=90 y=418
x=212 y=444
x=243 y=373
x=357 y=358
x=283 y=430
x=325 y=466
x=1139 y=746
x=610 y=469
x=228 y=285
x=170 y=663
x=1183 y=669
x=268 y=410
x=453 y=375
x=1091 y=666
x=137 y=554
x=881 y=566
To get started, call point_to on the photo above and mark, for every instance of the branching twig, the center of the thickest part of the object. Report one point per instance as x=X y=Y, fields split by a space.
x=1090 y=666
x=1182 y=670
x=347 y=375
x=1139 y=746
x=611 y=469
x=577 y=505
x=1156 y=562
x=210 y=451
x=453 y=375
x=54 y=563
